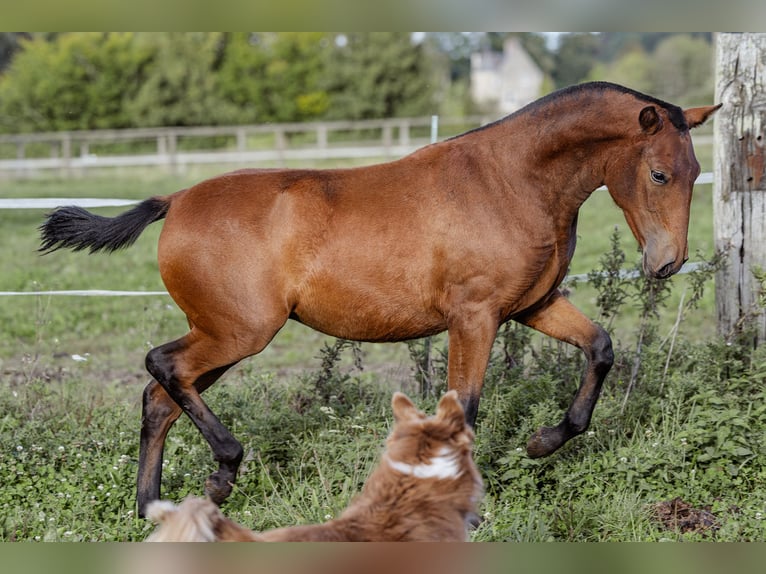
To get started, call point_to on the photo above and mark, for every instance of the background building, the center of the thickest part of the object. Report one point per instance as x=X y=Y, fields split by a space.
x=505 y=81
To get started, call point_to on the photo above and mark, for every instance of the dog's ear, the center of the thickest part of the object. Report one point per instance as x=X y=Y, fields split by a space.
x=404 y=409
x=451 y=411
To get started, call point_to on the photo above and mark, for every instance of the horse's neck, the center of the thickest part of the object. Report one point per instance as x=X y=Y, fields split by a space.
x=565 y=151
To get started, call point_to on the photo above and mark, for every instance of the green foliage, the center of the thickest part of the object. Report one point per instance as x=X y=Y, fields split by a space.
x=610 y=280
x=759 y=274
x=97 y=80
x=274 y=77
x=683 y=71
x=697 y=435
x=329 y=380
x=678 y=69
x=180 y=87
x=66 y=452
x=634 y=69
x=574 y=58
x=81 y=81
x=615 y=286
x=379 y=75
x=702 y=274
x=9 y=45
x=429 y=365
x=69 y=81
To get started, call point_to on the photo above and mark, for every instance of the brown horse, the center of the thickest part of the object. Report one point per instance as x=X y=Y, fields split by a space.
x=461 y=235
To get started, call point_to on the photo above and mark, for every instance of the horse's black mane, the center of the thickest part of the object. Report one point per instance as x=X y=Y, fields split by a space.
x=675 y=113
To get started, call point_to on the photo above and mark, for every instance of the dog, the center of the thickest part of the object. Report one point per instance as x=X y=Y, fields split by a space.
x=425 y=488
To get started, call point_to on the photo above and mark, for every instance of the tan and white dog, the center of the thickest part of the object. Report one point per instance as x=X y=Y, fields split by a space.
x=426 y=488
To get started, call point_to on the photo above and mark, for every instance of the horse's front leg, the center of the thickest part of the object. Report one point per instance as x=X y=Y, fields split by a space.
x=471 y=334
x=563 y=321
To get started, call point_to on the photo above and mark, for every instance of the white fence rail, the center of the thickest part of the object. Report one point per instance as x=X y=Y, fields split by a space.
x=74 y=152
x=686 y=268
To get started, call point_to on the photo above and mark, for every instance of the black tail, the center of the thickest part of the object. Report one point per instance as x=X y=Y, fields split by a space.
x=75 y=228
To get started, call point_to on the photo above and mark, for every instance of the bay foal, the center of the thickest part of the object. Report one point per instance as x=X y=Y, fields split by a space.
x=462 y=235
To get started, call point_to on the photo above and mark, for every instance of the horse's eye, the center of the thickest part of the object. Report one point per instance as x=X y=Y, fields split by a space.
x=659 y=177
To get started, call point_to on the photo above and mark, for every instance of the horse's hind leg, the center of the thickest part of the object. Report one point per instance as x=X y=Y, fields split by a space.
x=177 y=366
x=159 y=413
x=561 y=320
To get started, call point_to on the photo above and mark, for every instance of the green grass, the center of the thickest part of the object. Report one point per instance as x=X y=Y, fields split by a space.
x=68 y=450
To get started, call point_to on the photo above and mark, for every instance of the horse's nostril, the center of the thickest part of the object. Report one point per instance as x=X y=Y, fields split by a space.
x=666 y=270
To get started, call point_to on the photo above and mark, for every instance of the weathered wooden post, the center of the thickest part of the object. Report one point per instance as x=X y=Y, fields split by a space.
x=739 y=186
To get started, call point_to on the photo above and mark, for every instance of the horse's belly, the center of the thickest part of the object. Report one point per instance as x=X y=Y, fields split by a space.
x=365 y=326
x=368 y=317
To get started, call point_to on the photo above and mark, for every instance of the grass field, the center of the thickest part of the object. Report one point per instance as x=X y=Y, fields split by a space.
x=72 y=375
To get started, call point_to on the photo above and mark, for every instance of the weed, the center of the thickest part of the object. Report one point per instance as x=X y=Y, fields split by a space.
x=610 y=281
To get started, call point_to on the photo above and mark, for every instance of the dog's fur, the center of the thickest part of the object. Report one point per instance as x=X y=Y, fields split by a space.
x=426 y=488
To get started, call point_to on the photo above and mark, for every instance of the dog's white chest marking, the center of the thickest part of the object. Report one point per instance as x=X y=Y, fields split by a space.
x=444 y=465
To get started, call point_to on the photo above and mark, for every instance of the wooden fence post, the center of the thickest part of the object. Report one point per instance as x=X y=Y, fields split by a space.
x=739 y=182
x=66 y=153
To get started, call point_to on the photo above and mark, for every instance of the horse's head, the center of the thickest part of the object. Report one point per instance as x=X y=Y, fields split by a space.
x=652 y=180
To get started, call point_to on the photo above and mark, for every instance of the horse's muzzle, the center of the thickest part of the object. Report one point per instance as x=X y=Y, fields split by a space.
x=667 y=270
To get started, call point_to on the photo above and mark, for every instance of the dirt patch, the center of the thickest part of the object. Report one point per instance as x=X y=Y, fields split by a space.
x=679 y=516
x=61 y=368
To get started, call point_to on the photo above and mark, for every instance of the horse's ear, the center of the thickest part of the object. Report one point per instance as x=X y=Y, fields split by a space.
x=698 y=116
x=451 y=411
x=650 y=120
x=404 y=409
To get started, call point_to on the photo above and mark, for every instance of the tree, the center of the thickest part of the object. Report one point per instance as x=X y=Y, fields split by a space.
x=275 y=77
x=457 y=47
x=633 y=69
x=680 y=70
x=379 y=75
x=181 y=86
x=684 y=69
x=80 y=81
x=9 y=45
x=574 y=58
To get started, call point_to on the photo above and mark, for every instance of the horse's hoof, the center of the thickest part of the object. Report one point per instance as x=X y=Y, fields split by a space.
x=142 y=506
x=544 y=442
x=217 y=488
